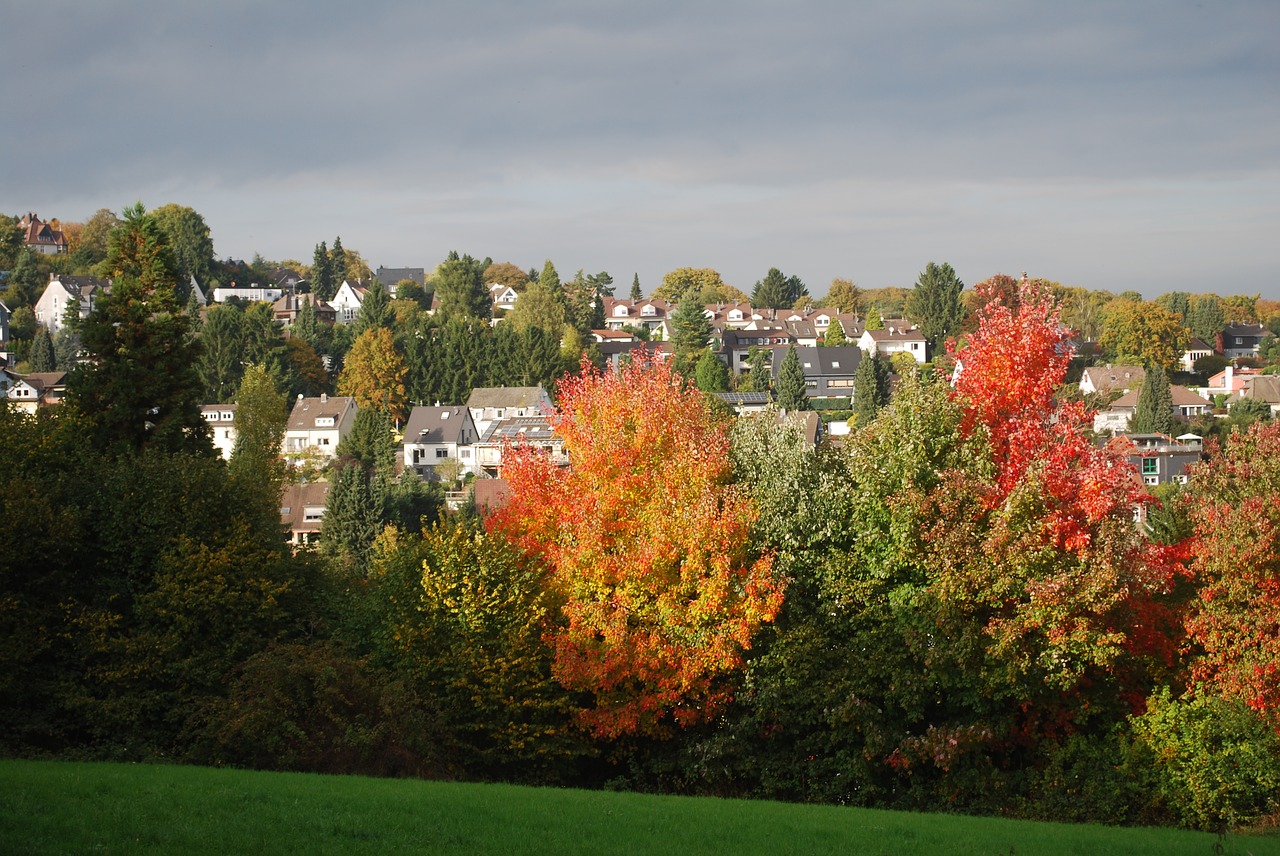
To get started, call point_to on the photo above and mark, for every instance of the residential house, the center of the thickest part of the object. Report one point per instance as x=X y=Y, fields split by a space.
x=1230 y=380
x=614 y=351
x=30 y=392
x=1261 y=387
x=390 y=277
x=534 y=430
x=64 y=291
x=285 y=310
x=503 y=299
x=40 y=237
x=897 y=337
x=1242 y=340
x=436 y=434
x=736 y=343
x=1160 y=459
x=346 y=301
x=490 y=404
x=828 y=372
x=1197 y=349
x=650 y=314
x=1115 y=419
x=317 y=425
x=302 y=511
x=221 y=419
x=253 y=293
x=286 y=279
x=1110 y=380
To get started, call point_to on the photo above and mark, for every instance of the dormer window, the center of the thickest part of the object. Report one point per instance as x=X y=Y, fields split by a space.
x=649 y=311
x=621 y=311
x=324 y=421
x=821 y=321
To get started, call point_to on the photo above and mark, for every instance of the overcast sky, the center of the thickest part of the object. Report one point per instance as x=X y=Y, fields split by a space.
x=1109 y=145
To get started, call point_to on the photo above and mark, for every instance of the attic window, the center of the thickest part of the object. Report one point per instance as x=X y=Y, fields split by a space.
x=444 y=415
x=835 y=364
x=806 y=365
x=324 y=421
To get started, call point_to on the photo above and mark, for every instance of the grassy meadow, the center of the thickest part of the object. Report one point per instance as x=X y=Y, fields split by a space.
x=73 y=808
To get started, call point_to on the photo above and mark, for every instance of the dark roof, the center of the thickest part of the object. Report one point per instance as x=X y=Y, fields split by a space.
x=516 y=428
x=437 y=424
x=307 y=410
x=390 y=276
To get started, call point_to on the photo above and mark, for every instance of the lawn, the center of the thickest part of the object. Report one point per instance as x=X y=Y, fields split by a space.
x=73 y=808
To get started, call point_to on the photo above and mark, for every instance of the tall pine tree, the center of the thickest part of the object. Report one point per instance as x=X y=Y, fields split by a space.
x=1154 y=413
x=790 y=387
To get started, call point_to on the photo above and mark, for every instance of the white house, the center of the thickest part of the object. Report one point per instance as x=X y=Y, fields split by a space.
x=490 y=404
x=221 y=419
x=896 y=338
x=63 y=291
x=253 y=293
x=346 y=302
x=436 y=434
x=317 y=425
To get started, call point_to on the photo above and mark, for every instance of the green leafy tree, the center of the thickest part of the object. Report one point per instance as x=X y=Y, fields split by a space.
x=934 y=304
x=1206 y=318
x=1177 y=302
x=1154 y=413
x=790 y=388
x=375 y=310
x=711 y=374
x=834 y=337
x=690 y=335
x=539 y=306
x=140 y=389
x=843 y=296
x=256 y=464
x=777 y=291
x=189 y=240
x=683 y=281
x=1144 y=332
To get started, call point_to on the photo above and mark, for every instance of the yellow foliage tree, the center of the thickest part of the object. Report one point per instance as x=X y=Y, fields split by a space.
x=374 y=372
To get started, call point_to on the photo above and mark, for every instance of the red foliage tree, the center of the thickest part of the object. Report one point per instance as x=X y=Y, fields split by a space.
x=646 y=543
x=1235 y=624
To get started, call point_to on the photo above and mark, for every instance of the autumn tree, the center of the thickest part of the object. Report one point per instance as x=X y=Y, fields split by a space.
x=683 y=281
x=505 y=273
x=842 y=296
x=1145 y=333
x=374 y=374
x=645 y=545
x=934 y=304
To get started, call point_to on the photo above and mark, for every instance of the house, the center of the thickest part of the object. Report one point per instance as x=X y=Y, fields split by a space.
x=1197 y=349
x=346 y=301
x=40 y=237
x=534 y=430
x=1230 y=380
x=317 y=425
x=1261 y=387
x=1242 y=340
x=391 y=277
x=1109 y=380
x=651 y=314
x=4 y=322
x=302 y=511
x=32 y=391
x=897 y=337
x=736 y=343
x=489 y=404
x=744 y=403
x=828 y=372
x=64 y=291
x=503 y=299
x=286 y=279
x=285 y=310
x=221 y=419
x=1160 y=459
x=253 y=293
x=614 y=352
x=1115 y=419
x=436 y=434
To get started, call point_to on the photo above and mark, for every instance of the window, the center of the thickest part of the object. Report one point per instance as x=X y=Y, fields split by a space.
x=311 y=514
x=1150 y=466
x=500 y=412
x=835 y=364
x=324 y=421
x=842 y=383
x=1151 y=480
x=442 y=453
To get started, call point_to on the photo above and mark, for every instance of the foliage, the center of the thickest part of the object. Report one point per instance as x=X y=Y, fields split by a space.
x=934 y=304
x=636 y=293
x=505 y=273
x=373 y=373
x=1236 y=560
x=1215 y=763
x=371 y=441
x=1154 y=413
x=540 y=307
x=834 y=337
x=324 y=284
x=685 y=281
x=790 y=390
x=375 y=310
x=777 y=291
x=188 y=238
x=41 y=356
x=842 y=296
x=1205 y=318
x=459 y=286
x=646 y=545
x=711 y=374
x=1145 y=332
x=870 y=387
x=261 y=417
x=691 y=333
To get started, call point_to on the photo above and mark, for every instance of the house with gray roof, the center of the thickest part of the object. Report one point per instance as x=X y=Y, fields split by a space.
x=828 y=372
x=317 y=425
x=436 y=434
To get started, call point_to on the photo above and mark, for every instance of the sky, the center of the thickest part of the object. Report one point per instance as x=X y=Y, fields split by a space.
x=1114 y=146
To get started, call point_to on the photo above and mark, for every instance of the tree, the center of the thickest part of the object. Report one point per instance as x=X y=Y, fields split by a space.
x=1177 y=302
x=371 y=441
x=843 y=296
x=1143 y=332
x=1206 y=318
x=140 y=387
x=874 y=319
x=834 y=337
x=505 y=273
x=1154 y=413
x=221 y=361
x=690 y=334
x=683 y=281
x=584 y=304
x=538 y=307
x=646 y=547
x=375 y=309
x=189 y=240
x=262 y=415
x=711 y=374
x=459 y=285
x=790 y=388
x=1236 y=562
x=777 y=291
x=41 y=356
x=306 y=326
x=758 y=375
x=91 y=248
x=338 y=264
x=352 y=517
x=373 y=373
x=870 y=387
x=636 y=293
x=322 y=274
x=934 y=304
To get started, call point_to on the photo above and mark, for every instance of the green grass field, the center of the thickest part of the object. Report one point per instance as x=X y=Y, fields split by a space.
x=75 y=808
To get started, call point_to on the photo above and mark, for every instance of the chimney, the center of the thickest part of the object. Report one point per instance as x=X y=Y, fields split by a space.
x=324 y=397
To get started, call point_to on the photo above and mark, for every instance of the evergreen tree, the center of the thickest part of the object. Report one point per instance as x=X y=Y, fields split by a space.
x=691 y=333
x=1206 y=318
x=375 y=310
x=140 y=389
x=757 y=375
x=41 y=356
x=791 y=386
x=306 y=325
x=371 y=442
x=711 y=374
x=551 y=279
x=1154 y=413
x=874 y=320
x=322 y=284
x=337 y=264
x=835 y=337
x=636 y=293
x=459 y=283
x=870 y=387
x=352 y=517
x=777 y=291
x=1177 y=302
x=261 y=418
x=66 y=349
x=934 y=304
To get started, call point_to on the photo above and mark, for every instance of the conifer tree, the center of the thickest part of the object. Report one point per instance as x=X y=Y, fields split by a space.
x=835 y=337
x=337 y=264
x=870 y=387
x=791 y=386
x=711 y=374
x=41 y=356
x=690 y=334
x=934 y=304
x=636 y=293
x=375 y=310
x=1154 y=413
x=322 y=285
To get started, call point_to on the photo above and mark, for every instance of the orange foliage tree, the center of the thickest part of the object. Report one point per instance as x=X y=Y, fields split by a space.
x=647 y=545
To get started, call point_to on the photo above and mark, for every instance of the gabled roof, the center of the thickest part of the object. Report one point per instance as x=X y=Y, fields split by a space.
x=307 y=410
x=1107 y=378
x=1262 y=387
x=81 y=286
x=437 y=424
x=826 y=362
x=390 y=276
x=36 y=232
x=505 y=396
x=1182 y=397
x=296 y=498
